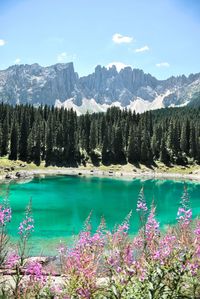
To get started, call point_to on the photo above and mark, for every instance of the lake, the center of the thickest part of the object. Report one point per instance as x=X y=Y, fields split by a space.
x=62 y=203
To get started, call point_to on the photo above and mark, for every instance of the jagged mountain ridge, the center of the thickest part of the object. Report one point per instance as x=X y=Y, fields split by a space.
x=60 y=85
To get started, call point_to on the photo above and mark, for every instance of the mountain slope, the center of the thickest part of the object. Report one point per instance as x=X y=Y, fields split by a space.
x=60 y=85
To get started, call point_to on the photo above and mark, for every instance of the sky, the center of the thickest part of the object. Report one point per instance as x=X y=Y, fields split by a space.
x=162 y=37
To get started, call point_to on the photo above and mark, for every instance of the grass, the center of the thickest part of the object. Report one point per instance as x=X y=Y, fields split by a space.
x=7 y=165
x=158 y=167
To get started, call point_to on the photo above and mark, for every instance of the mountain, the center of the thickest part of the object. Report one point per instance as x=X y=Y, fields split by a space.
x=60 y=85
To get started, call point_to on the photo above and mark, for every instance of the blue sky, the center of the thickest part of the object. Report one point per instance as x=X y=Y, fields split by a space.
x=162 y=37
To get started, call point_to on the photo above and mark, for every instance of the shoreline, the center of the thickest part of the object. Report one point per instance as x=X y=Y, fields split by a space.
x=95 y=172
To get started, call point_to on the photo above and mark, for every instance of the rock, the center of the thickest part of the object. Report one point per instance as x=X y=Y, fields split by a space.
x=22 y=165
x=18 y=174
x=43 y=260
x=10 y=176
x=35 y=84
x=23 y=174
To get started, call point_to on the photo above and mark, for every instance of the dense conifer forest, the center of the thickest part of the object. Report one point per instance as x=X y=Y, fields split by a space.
x=60 y=137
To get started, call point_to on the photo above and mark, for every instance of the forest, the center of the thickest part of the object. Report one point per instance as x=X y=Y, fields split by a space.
x=60 y=137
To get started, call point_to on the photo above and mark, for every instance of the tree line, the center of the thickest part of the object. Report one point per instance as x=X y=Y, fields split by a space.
x=60 y=137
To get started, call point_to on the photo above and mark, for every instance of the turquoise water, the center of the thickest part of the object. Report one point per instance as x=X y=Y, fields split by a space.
x=62 y=203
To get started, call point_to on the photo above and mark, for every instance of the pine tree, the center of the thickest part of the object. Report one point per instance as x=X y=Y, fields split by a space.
x=192 y=143
x=0 y=139
x=37 y=154
x=5 y=136
x=184 y=140
x=146 y=153
x=118 y=150
x=23 y=143
x=133 y=146
x=164 y=155
x=105 y=150
x=49 y=147
x=14 y=142
x=31 y=144
x=93 y=135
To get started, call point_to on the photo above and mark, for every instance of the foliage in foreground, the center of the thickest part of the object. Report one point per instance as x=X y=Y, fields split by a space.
x=109 y=264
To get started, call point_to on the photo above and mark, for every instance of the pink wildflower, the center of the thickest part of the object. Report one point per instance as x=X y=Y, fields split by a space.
x=193 y=268
x=84 y=293
x=34 y=270
x=184 y=216
x=197 y=239
x=165 y=248
x=12 y=260
x=141 y=204
x=152 y=226
x=5 y=215
x=61 y=249
x=26 y=226
x=138 y=241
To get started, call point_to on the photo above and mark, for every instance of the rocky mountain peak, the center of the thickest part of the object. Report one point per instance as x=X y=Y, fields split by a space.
x=128 y=87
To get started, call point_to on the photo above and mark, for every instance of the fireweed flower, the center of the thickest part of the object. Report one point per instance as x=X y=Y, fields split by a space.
x=61 y=249
x=165 y=248
x=184 y=214
x=141 y=204
x=193 y=268
x=5 y=215
x=185 y=200
x=152 y=227
x=26 y=226
x=197 y=239
x=84 y=293
x=12 y=260
x=138 y=241
x=34 y=270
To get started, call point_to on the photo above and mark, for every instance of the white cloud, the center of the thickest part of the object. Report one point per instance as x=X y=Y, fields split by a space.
x=163 y=64
x=2 y=42
x=143 y=49
x=119 y=65
x=65 y=56
x=120 y=39
x=17 y=61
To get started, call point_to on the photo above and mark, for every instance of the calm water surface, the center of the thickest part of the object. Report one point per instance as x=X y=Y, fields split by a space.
x=61 y=204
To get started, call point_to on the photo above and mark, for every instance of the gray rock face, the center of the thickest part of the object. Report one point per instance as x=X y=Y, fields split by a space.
x=44 y=85
x=35 y=84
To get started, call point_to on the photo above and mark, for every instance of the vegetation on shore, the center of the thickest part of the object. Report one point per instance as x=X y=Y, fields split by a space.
x=61 y=138
x=9 y=168
x=108 y=264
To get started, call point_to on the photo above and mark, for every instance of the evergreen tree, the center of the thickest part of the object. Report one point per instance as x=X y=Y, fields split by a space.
x=37 y=155
x=184 y=140
x=133 y=147
x=192 y=143
x=118 y=149
x=93 y=135
x=105 y=150
x=23 y=143
x=14 y=142
x=0 y=140
x=164 y=155
x=146 y=153
x=5 y=136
